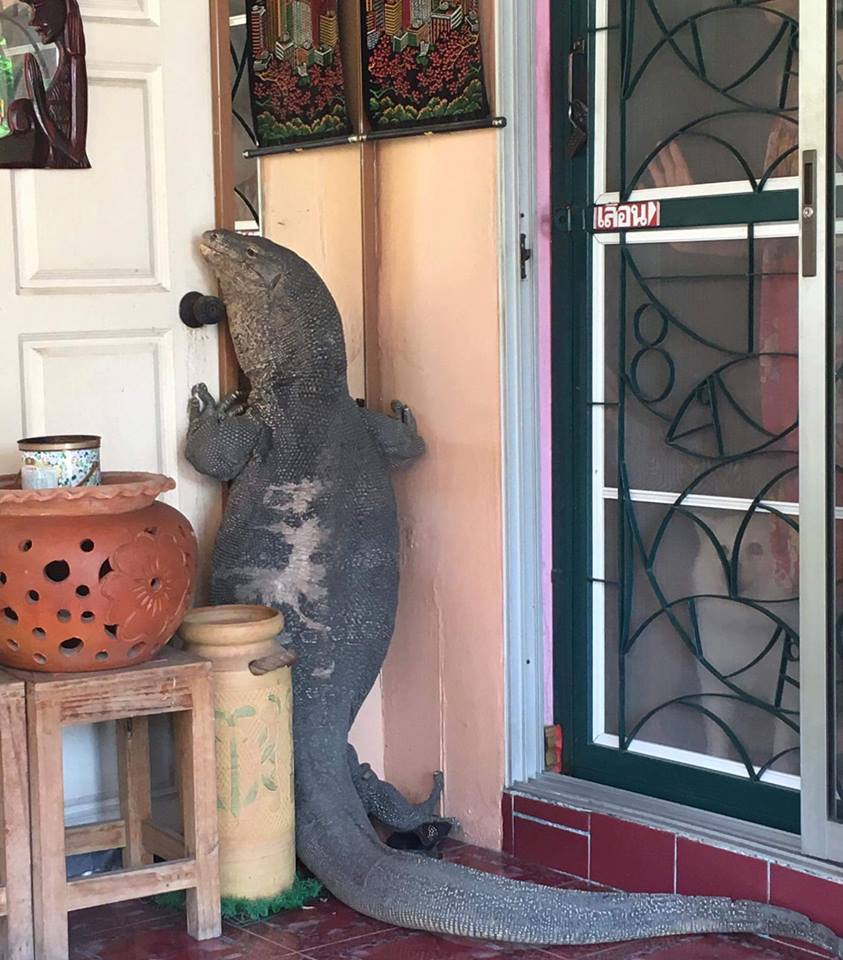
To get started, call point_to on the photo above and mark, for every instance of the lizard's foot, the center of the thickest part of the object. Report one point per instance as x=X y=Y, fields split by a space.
x=425 y=839
x=222 y=437
x=203 y=404
x=386 y=804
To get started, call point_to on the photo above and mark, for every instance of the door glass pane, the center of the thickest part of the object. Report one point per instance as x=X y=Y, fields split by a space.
x=698 y=594
x=700 y=92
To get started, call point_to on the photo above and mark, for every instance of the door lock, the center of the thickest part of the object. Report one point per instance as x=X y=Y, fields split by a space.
x=809 y=220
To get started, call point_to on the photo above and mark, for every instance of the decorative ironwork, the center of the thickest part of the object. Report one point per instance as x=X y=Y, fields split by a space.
x=245 y=135
x=708 y=576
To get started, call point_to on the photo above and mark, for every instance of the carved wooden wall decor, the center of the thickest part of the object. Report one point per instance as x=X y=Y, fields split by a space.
x=43 y=85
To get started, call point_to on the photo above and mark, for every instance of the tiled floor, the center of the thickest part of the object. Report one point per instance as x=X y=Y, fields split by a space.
x=330 y=931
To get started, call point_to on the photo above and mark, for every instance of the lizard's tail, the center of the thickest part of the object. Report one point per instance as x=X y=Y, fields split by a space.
x=336 y=842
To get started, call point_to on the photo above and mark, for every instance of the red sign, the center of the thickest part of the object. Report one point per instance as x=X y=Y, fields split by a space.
x=637 y=215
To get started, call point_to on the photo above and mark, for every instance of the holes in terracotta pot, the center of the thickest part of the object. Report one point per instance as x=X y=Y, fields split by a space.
x=33 y=596
x=88 y=616
x=152 y=531
x=57 y=570
x=39 y=658
x=105 y=569
x=82 y=590
x=155 y=584
x=24 y=546
x=71 y=646
x=86 y=546
x=102 y=655
x=10 y=615
x=39 y=633
x=2 y=578
x=13 y=645
x=63 y=615
x=111 y=628
x=136 y=650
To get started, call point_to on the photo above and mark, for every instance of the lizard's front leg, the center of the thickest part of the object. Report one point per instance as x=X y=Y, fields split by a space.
x=222 y=437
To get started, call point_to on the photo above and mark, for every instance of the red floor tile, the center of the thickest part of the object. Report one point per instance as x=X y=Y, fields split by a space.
x=490 y=861
x=552 y=847
x=413 y=945
x=707 y=871
x=86 y=924
x=171 y=942
x=331 y=931
x=711 y=947
x=315 y=926
x=631 y=857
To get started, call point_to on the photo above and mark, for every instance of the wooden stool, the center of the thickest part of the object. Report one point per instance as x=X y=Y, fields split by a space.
x=16 y=884
x=174 y=683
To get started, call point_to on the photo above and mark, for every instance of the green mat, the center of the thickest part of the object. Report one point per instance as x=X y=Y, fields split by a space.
x=241 y=911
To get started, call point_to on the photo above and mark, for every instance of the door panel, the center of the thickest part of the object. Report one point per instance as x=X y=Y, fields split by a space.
x=691 y=632
x=93 y=264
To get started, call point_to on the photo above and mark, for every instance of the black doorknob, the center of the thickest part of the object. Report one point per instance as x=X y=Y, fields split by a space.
x=198 y=310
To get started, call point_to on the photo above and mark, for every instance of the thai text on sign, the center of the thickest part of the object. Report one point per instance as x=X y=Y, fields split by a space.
x=635 y=215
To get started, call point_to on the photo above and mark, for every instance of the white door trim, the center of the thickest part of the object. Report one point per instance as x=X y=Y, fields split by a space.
x=522 y=520
x=821 y=835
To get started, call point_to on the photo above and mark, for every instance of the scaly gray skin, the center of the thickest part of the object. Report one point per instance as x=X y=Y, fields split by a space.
x=311 y=529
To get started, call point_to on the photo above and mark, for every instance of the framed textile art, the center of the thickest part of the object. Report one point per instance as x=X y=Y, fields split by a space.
x=43 y=85
x=422 y=62
x=296 y=71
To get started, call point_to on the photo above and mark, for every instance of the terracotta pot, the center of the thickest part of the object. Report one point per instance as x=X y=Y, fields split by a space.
x=254 y=739
x=91 y=578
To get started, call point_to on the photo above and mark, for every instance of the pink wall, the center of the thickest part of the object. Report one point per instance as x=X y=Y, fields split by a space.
x=439 y=350
x=543 y=243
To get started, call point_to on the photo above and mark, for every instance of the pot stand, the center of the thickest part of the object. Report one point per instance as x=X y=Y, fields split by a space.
x=15 y=864
x=175 y=683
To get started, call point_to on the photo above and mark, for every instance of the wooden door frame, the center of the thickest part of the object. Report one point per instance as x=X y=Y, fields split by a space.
x=223 y=174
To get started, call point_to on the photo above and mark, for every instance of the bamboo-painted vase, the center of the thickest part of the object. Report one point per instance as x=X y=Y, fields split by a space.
x=253 y=709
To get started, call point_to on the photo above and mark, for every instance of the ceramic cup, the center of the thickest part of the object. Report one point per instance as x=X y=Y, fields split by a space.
x=64 y=461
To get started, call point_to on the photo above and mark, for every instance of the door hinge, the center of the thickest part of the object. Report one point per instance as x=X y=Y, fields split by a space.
x=526 y=254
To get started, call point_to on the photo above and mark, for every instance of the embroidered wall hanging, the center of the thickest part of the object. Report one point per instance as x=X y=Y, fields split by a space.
x=295 y=70
x=43 y=85
x=422 y=62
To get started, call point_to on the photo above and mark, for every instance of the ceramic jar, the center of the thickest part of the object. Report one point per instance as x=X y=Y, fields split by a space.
x=91 y=578
x=253 y=717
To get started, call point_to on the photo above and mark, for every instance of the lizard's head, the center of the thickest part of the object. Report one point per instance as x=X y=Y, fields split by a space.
x=283 y=320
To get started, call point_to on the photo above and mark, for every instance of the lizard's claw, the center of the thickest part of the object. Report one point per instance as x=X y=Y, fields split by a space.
x=404 y=414
x=201 y=393
x=231 y=405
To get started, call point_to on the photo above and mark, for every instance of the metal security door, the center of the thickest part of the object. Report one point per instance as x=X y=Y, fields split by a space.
x=678 y=597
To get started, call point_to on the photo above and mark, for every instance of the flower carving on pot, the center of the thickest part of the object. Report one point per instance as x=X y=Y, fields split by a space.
x=148 y=586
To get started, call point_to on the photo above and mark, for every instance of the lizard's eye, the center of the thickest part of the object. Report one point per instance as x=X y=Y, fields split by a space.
x=251 y=252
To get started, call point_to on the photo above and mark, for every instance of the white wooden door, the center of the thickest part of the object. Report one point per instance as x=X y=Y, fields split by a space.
x=93 y=264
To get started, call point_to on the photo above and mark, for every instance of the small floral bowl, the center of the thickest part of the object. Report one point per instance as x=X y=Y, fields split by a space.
x=66 y=461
